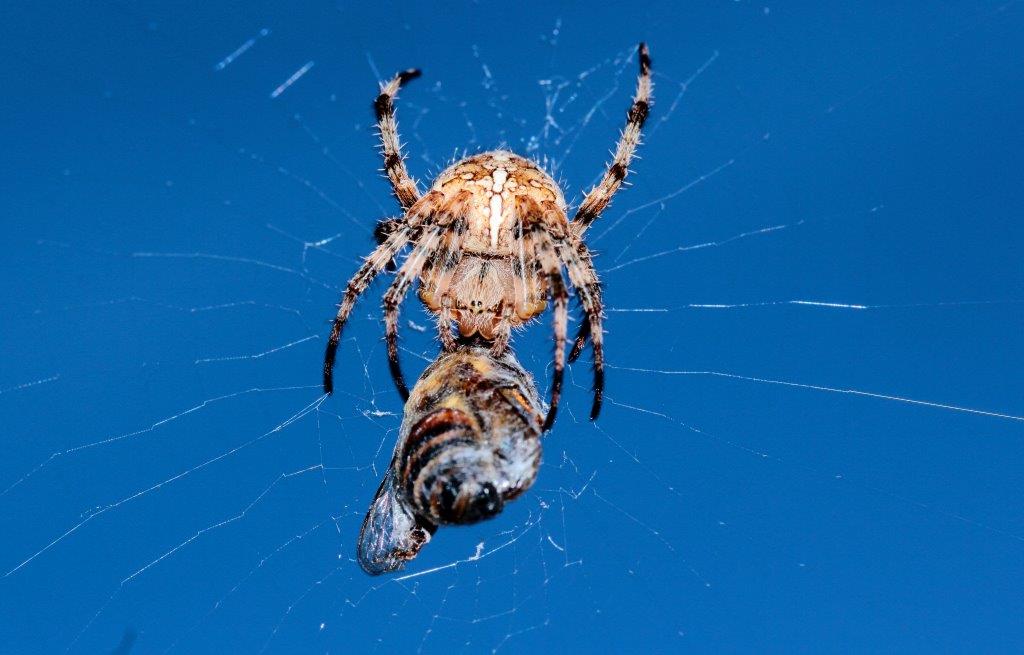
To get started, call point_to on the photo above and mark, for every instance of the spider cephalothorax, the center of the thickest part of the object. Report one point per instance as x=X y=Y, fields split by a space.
x=488 y=243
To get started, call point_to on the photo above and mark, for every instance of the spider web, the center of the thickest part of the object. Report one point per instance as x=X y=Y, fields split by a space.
x=177 y=482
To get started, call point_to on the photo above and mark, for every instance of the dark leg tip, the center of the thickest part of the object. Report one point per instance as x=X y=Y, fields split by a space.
x=328 y=380
x=581 y=342
x=556 y=394
x=595 y=409
x=396 y=372
x=549 y=420
x=409 y=74
x=645 y=58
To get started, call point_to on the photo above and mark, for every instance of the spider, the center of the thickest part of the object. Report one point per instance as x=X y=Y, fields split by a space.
x=489 y=241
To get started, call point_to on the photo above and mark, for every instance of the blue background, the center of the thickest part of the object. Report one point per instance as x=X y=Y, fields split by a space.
x=169 y=230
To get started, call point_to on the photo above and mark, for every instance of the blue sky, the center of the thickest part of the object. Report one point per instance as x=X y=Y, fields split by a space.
x=812 y=436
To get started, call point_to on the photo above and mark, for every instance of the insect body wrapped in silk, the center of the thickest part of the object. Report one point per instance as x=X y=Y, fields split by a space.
x=469 y=443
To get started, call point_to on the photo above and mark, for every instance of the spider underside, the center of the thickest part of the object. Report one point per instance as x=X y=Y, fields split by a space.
x=488 y=243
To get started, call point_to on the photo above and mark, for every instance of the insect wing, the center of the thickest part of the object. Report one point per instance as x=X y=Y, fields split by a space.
x=391 y=535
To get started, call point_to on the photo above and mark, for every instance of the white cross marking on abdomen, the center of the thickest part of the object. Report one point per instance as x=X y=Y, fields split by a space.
x=499 y=176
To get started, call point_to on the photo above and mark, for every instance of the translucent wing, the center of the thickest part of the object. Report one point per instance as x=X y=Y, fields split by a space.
x=391 y=535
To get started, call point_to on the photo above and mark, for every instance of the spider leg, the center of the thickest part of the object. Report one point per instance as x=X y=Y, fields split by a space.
x=544 y=247
x=451 y=257
x=576 y=259
x=425 y=249
x=580 y=341
x=373 y=265
x=598 y=198
x=444 y=324
x=503 y=332
x=391 y=147
x=573 y=254
x=586 y=263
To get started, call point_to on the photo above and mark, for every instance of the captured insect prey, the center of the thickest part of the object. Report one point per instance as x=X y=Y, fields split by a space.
x=488 y=244
x=469 y=442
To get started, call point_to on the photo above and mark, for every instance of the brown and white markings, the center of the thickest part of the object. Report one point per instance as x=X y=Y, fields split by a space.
x=488 y=243
x=469 y=442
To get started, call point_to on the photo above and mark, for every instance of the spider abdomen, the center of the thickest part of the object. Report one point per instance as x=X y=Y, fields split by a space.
x=495 y=186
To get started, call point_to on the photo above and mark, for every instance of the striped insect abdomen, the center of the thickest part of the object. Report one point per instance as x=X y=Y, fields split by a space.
x=446 y=470
x=469 y=443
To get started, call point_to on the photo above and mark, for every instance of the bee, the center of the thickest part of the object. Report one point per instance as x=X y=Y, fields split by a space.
x=470 y=441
